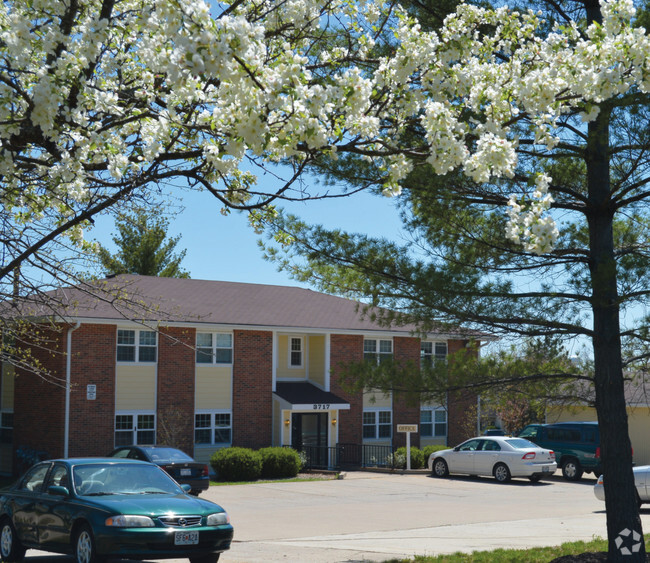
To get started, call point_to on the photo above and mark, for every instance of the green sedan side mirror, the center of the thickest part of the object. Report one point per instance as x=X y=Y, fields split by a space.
x=58 y=491
x=187 y=488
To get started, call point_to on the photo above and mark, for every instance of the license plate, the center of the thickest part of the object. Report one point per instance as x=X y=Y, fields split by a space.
x=186 y=538
x=186 y=472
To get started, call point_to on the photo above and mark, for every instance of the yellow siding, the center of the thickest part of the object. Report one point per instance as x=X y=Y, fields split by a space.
x=286 y=428
x=213 y=388
x=316 y=350
x=376 y=399
x=135 y=388
x=283 y=369
x=7 y=399
x=638 y=423
x=572 y=414
x=276 y=435
x=382 y=442
x=440 y=441
x=203 y=453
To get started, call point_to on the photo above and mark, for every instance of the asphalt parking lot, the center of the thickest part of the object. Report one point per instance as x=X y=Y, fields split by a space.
x=378 y=516
x=374 y=517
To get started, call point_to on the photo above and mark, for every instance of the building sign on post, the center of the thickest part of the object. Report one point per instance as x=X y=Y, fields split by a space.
x=408 y=428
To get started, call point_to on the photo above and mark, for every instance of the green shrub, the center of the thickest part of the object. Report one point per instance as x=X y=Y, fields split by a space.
x=236 y=464
x=279 y=463
x=417 y=458
x=428 y=450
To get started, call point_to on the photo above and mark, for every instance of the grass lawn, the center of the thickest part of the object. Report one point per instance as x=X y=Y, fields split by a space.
x=532 y=555
x=301 y=477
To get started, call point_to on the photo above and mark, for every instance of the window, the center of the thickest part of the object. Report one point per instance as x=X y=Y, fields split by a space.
x=213 y=348
x=433 y=422
x=432 y=351
x=58 y=477
x=295 y=352
x=377 y=351
x=132 y=429
x=212 y=428
x=377 y=424
x=33 y=480
x=6 y=427
x=136 y=345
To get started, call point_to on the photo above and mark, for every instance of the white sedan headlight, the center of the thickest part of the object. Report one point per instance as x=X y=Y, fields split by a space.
x=218 y=519
x=129 y=521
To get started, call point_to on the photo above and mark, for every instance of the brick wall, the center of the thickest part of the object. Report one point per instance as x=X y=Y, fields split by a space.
x=406 y=407
x=462 y=406
x=39 y=400
x=345 y=349
x=176 y=382
x=93 y=363
x=252 y=389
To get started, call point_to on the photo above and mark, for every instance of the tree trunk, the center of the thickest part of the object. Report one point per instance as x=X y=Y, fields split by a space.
x=624 y=530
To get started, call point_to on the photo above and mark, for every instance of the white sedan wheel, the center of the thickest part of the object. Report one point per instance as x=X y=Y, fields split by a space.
x=501 y=473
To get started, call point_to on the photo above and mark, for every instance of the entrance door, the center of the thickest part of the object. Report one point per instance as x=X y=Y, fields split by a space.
x=309 y=435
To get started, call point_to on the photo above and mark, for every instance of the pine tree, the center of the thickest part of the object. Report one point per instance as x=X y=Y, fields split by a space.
x=143 y=247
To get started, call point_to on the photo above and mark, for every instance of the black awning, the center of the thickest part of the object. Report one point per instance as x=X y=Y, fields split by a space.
x=302 y=395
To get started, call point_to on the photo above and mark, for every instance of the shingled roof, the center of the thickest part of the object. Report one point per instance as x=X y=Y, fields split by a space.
x=183 y=300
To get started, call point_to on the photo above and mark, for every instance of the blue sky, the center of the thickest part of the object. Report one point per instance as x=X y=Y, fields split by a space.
x=225 y=248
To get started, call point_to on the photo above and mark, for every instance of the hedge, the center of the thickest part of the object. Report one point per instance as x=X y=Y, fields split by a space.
x=278 y=463
x=417 y=458
x=237 y=464
x=428 y=450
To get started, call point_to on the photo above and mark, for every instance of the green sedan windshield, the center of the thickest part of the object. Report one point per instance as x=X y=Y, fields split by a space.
x=122 y=478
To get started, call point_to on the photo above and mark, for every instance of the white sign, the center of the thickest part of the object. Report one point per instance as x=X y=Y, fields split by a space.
x=91 y=392
x=408 y=428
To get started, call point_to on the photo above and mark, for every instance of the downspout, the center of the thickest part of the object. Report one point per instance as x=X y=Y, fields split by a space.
x=68 y=381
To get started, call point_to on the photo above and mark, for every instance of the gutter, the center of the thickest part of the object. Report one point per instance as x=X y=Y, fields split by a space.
x=68 y=380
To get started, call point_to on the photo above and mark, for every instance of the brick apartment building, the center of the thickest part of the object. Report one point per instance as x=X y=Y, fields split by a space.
x=208 y=364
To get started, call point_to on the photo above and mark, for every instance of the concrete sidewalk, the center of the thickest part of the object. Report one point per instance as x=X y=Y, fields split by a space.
x=380 y=546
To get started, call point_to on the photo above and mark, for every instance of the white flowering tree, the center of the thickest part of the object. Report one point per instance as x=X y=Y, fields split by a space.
x=105 y=101
x=108 y=101
x=537 y=221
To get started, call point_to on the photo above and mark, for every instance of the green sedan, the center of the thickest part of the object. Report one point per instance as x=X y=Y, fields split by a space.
x=96 y=508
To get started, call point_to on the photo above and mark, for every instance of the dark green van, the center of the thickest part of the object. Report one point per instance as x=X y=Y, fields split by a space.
x=576 y=446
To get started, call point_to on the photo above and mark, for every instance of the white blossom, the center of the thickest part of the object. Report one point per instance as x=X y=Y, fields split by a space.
x=112 y=97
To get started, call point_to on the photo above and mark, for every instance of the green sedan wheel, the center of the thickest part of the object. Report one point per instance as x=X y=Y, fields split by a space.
x=11 y=550
x=84 y=546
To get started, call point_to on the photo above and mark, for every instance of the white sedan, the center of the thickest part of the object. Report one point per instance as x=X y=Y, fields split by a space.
x=641 y=482
x=501 y=456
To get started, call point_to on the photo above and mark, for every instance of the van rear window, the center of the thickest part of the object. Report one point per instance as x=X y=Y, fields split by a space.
x=563 y=434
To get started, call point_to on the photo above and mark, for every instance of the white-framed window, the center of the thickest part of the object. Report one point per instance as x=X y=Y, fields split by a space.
x=135 y=345
x=377 y=424
x=213 y=348
x=135 y=428
x=212 y=427
x=376 y=350
x=431 y=352
x=433 y=422
x=295 y=351
x=6 y=427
